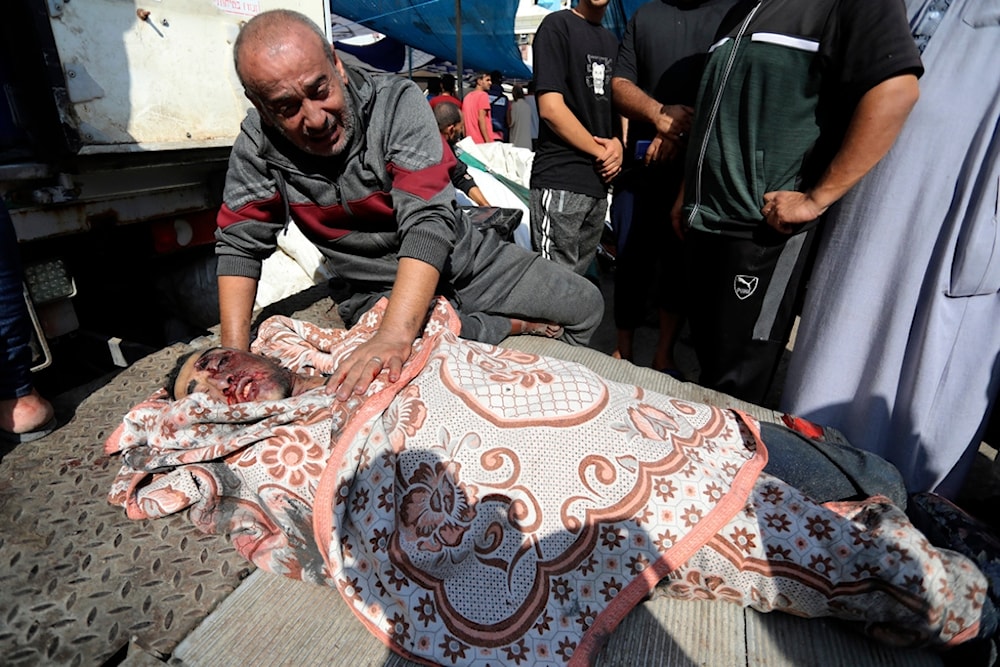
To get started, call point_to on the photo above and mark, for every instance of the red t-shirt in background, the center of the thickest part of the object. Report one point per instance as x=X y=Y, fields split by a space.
x=471 y=105
x=444 y=97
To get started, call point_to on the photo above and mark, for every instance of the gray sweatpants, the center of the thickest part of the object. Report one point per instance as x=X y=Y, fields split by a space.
x=508 y=281
x=503 y=281
x=566 y=226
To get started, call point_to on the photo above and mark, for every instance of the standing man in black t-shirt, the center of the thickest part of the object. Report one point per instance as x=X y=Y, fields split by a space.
x=578 y=152
x=660 y=61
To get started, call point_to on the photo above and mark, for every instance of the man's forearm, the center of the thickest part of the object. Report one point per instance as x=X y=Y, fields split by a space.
x=476 y=195
x=484 y=127
x=390 y=347
x=414 y=288
x=874 y=126
x=632 y=102
x=553 y=110
x=236 y=298
x=876 y=123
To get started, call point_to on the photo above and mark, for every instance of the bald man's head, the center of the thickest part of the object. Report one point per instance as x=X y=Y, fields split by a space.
x=265 y=33
x=449 y=121
x=292 y=76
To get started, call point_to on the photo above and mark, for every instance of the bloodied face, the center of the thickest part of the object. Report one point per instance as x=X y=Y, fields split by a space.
x=233 y=376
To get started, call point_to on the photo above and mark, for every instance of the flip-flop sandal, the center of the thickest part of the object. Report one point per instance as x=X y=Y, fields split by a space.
x=30 y=436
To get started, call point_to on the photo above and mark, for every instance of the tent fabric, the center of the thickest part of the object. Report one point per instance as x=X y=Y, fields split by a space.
x=387 y=55
x=488 y=41
x=487 y=29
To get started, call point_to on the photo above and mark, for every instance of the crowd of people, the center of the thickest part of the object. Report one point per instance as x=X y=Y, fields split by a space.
x=837 y=160
x=734 y=141
x=725 y=132
x=739 y=143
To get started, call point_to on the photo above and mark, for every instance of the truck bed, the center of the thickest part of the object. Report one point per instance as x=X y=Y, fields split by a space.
x=83 y=585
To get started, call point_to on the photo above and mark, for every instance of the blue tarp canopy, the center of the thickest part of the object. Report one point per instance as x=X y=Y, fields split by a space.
x=487 y=29
x=618 y=13
x=386 y=54
x=488 y=41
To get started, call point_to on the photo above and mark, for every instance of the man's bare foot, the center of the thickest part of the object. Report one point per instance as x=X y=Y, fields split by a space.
x=663 y=357
x=665 y=364
x=526 y=327
x=25 y=414
x=624 y=345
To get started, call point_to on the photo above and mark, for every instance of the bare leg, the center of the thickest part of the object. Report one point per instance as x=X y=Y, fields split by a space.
x=624 y=350
x=663 y=358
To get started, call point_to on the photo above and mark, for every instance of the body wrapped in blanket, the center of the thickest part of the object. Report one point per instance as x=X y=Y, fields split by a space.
x=496 y=507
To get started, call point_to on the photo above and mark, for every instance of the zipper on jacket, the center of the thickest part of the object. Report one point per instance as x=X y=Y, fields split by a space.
x=715 y=110
x=278 y=175
x=362 y=109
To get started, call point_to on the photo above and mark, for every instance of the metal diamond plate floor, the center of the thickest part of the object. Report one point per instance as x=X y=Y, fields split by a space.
x=79 y=580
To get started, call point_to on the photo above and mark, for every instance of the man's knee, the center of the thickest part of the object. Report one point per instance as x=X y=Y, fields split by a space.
x=590 y=309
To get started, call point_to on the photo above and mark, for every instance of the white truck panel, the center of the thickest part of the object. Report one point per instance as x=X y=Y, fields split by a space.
x=156 y=74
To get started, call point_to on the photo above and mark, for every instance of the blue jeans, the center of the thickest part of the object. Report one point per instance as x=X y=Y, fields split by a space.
x=15 y=325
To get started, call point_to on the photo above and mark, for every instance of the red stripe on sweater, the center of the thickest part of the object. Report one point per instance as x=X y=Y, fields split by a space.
x=428 y=182
x=265 y=210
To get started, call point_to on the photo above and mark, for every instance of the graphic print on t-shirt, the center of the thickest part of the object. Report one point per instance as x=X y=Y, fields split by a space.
x=598 y=75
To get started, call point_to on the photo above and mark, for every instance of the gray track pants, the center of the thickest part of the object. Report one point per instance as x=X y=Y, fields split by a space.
x=504 y=281
x=566 y=226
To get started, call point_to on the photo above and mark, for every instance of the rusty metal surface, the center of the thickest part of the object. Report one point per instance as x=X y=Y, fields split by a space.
x=79 y=580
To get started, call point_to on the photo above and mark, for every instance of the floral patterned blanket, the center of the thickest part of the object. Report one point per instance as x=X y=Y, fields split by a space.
x=490 y=507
